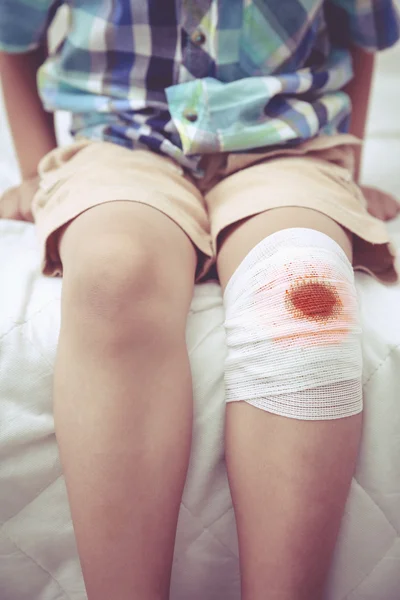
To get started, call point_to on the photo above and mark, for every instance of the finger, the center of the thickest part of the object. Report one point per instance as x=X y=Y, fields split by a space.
x=10 y=204
x=25 y=206
x=26 y=216
x=392 y=209
x=6 y=206
x=380 y=213
x=375 y=209
x=377 y=195
x=3 y=203
x=390 y=198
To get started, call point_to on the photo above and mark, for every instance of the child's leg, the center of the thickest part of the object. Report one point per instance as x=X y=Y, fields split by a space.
x=123 y=395
x=289 y=478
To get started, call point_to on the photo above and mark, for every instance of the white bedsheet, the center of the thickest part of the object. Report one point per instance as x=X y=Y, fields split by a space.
x=37 y=553
x=38 y=558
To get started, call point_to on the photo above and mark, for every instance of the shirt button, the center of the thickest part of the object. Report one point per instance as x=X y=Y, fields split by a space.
x=190 y=115
x=198 y=38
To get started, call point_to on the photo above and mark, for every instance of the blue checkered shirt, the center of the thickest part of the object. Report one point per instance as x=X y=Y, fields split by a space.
x=191 y=77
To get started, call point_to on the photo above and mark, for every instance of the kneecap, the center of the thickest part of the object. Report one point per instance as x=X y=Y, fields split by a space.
x=293 y=329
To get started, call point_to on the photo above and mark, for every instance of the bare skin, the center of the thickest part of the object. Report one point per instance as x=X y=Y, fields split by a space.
x=31 y=126
x=123 y=394
x=381 y=205
x=288 y=512
x=123 y=409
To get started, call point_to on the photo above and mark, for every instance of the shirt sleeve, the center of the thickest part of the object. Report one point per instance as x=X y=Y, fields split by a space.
x=24 y=23
x=370 y=24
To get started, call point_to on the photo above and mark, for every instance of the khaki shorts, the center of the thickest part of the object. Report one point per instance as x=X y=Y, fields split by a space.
x=316 y=175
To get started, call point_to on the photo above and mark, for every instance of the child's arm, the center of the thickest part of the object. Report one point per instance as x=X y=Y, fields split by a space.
x=31 y=127
x=366 y=26
x=359 y=90
x=380 y=204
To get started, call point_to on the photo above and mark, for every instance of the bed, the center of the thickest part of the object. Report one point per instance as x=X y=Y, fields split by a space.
x=38 y=559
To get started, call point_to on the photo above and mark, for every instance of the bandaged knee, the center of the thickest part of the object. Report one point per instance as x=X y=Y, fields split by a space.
x=293 y=330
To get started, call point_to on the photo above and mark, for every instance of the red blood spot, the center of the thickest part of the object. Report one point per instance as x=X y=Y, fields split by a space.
x=313 y=300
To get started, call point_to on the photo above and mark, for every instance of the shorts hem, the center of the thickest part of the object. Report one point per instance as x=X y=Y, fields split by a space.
x=49 y=226
x=373 y=233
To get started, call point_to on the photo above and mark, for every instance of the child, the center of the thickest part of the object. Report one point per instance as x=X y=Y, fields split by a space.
x=206 y=131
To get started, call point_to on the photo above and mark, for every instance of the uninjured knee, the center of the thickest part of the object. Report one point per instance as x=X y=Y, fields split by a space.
x=116 y=291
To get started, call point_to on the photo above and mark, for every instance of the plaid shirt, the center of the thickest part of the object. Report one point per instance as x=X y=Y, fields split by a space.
x=189 y=77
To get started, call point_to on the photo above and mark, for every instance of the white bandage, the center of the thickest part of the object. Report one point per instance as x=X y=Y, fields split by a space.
x=293 y=330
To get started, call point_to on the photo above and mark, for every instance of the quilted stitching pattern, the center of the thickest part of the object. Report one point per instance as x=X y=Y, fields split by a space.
x=37 y=548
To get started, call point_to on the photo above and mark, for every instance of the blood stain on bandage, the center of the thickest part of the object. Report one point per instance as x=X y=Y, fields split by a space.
x=313 y=300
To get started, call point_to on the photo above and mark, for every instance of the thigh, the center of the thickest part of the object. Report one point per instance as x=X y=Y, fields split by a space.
x=76 y=181
x=237 y=240
x=139 y=225
x=312 y=191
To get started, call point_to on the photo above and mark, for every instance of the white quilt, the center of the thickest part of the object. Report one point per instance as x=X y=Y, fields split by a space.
x=38 y=559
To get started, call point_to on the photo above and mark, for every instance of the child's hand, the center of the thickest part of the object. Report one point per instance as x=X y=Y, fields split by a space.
x=16 y=202
x=381 y=205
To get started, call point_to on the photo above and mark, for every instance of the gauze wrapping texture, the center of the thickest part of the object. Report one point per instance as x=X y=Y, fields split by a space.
x=293 y=330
